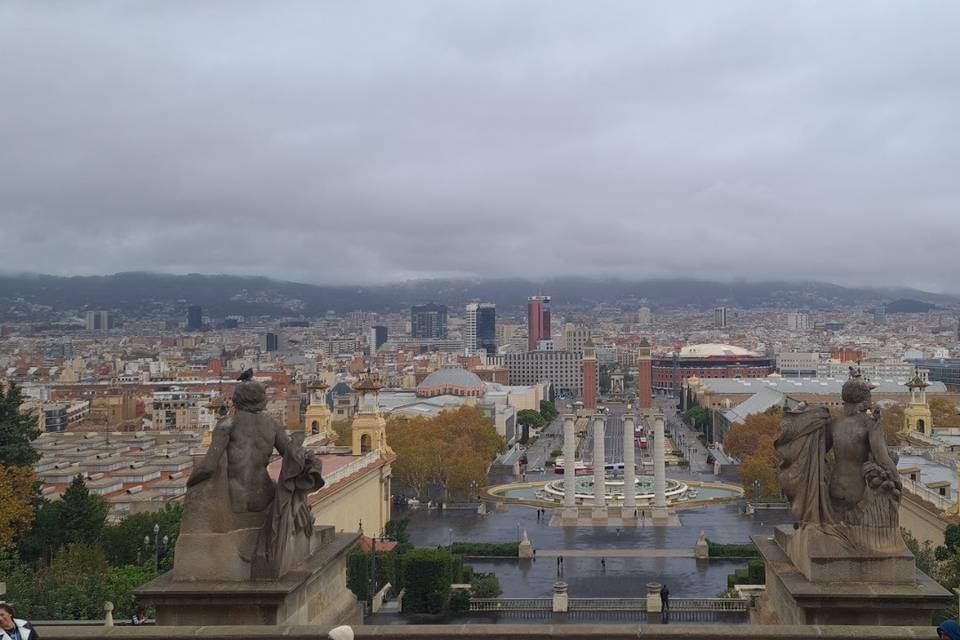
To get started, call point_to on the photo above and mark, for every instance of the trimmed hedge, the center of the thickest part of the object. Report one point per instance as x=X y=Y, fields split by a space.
x=427 y=574
x=358 y=574
x=722 y=550
x=755 y=573
x=499 y=549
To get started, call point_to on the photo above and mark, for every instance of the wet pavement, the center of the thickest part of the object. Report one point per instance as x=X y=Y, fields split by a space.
x=588 y=577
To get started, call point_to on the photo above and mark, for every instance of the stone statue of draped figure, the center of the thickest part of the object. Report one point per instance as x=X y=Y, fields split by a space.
x=839 y=475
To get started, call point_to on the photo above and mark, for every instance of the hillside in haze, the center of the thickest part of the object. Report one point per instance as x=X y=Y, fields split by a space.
x=32 y=296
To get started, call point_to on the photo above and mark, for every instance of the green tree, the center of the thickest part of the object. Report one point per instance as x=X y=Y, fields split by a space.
x=123 y=542
x=548 y=410
x=529 y=419
x=17 y=430
x=951 y=537
x=485 y=585
x=698 y=416
x=82 y=515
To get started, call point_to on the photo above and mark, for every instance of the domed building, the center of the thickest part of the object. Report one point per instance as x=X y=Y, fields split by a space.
x=706 y=361
x=453 y=381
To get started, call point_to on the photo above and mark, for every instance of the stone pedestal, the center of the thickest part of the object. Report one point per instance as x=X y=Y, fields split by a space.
x=561 y=600
x=701 y=550
x=813 y=580
x=654 y=605
x=313 y=593
x=525 y=549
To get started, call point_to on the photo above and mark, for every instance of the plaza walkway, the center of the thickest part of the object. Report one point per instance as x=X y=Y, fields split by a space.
x=615 y=553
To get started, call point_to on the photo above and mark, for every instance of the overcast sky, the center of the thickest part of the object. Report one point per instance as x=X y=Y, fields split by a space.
x=356 y=142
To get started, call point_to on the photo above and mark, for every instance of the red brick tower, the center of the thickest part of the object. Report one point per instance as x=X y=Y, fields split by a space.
x=591 y=380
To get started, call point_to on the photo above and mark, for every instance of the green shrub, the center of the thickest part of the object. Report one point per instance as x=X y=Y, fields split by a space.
x=486 y=585
x=426 y=575
x=757 y=572
x=460 y=601
x=722 y=550
x=358 y=574
x=754 y=573
x=466 y=576
x=499 y=549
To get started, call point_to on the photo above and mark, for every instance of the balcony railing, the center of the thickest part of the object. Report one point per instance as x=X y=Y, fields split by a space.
x=350 y=469
x=927 y=494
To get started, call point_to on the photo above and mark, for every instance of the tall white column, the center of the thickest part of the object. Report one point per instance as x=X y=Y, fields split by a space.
x=629 y=467
x=599 y=472
x=659 y=470
x=569 y=463
x=570 y=514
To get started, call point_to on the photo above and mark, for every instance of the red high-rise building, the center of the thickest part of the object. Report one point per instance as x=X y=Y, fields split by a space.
x=591 y=381
x=538 y=320
x=644 y=376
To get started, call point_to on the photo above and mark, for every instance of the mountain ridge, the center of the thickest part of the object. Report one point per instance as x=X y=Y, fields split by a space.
x=140 y=293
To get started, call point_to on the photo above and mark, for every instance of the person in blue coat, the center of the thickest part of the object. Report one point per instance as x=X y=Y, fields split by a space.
x=13 y=628
x=949 y=630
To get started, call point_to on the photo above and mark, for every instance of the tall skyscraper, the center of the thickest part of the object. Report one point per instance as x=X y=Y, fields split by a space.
x=271 y=342
x=428 y=322
x=377 y=338
x=720 y=317
x=798 y=321
x=480 y=328
x=194 y=318
x=538 y=320
x=99 y=321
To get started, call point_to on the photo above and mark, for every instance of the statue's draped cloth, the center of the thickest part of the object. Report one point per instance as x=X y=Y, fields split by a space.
x=289 y=515
x=802 y=445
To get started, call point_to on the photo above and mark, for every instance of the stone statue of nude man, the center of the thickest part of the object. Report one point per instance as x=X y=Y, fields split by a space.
x=238 y=523
x=247 y=441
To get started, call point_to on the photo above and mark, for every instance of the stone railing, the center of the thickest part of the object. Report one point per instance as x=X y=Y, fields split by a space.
x=350 y=469
x=511 y=604
x=735 y=605
x=927 y=494
x=501 y=632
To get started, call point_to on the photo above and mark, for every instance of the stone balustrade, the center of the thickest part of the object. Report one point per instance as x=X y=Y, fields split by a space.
x=500 y=632
x=927 y=494
x=348 y=470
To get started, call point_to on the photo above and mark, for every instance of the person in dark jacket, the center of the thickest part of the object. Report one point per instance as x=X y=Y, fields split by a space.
x=665 y=597
x=949 y=630
x=13 y=628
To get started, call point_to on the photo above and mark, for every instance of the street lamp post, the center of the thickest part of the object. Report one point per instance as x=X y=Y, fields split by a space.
x=159 y=546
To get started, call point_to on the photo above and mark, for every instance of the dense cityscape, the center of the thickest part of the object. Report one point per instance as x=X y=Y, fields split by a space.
x=492 y=321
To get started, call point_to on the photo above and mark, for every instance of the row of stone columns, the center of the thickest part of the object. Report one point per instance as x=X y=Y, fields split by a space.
x=599 y=467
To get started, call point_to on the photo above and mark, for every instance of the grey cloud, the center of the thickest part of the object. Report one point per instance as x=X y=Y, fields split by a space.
x=363 y=142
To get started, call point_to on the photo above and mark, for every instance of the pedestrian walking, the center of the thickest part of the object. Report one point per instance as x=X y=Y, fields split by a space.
x=139 y=616
x=665 y=597
x=603 y=562
x=13 y=628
